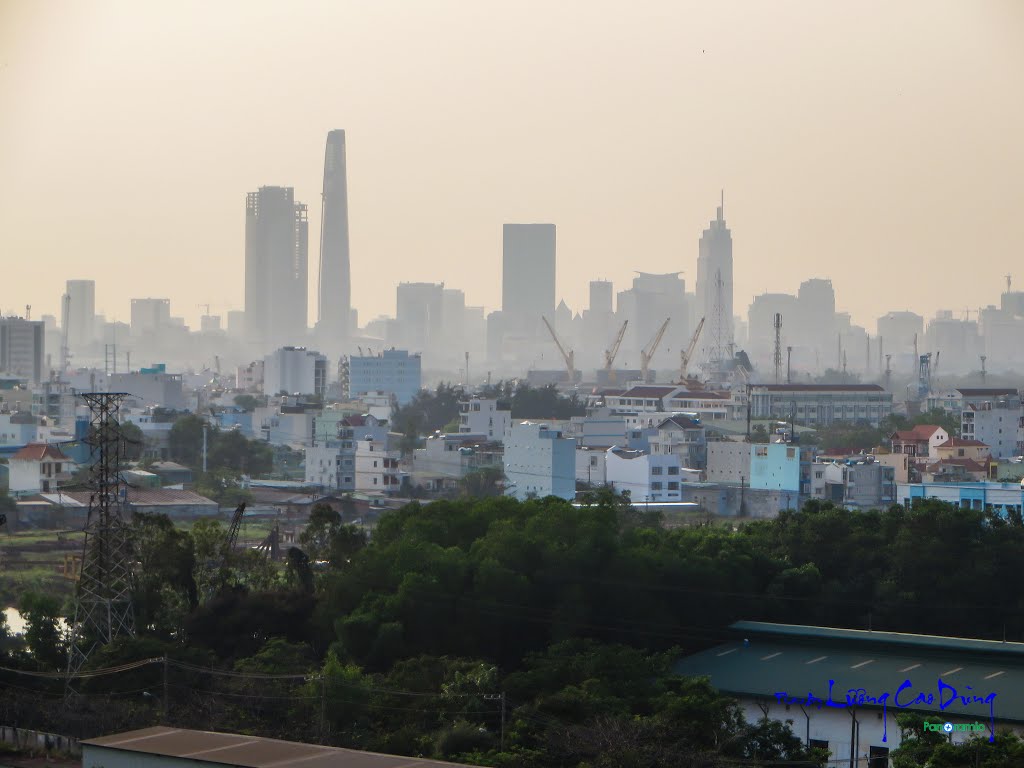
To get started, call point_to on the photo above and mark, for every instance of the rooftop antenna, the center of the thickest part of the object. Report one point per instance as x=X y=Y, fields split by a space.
x=1009 y=282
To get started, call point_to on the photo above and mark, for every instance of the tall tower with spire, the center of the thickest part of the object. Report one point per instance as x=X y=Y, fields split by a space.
x=335 y=284
x=714 y=289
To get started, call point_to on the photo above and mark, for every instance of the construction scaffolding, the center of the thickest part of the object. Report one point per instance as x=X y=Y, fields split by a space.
x=103 y=604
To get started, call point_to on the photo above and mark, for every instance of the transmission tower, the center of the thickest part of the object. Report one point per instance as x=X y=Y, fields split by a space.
x=778 y=345
x=103 y=605
x=715 y=353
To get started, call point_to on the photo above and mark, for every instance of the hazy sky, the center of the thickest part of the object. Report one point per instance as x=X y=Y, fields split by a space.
x=879 y=144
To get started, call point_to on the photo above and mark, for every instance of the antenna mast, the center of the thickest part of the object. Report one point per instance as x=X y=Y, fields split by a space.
x=778 y=345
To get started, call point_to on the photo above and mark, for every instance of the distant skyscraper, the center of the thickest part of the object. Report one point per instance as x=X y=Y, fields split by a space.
x=276 y=268
x=150 y=316
x=714 y=289
x=528 y=276
x=81 y=320
x=334 y=310
x=419 y=316
x=600 y=296
x=22 y=346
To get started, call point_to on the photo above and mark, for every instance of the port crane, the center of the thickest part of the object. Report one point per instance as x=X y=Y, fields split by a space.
x=569 y=357
x=648 y=352
x=686 y=354
x=609 y=354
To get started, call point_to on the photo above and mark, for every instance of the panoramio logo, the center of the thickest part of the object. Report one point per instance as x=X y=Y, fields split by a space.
x=950 y=727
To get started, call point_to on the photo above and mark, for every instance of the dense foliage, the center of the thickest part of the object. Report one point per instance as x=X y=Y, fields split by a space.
x=226 y=450
x=568 y=618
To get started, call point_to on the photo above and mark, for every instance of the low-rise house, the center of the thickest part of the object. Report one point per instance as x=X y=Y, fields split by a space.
x=446 y=458
x=997 y=424
x=376 y=467
x=685 y=437
x=920 y=442
x=859 y=482
x=592 y=466
x=959 y=448
x=1000 y=498
x=38 y=468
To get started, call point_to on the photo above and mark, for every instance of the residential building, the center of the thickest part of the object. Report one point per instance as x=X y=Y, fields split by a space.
x=707 y=405
x=860 y=482
x=528 y=277
x=78 y=314
x=959 y=448
x=1000 y=498
x=820 y=405
x=393 y=371
x=592 y=466
x=295 y=371
x=765 y=667
x=446 y=458
x=920 y=442
x=776 y=467
x=334 y=308
x=683 y=436
x=376 y=468
x=715 y=290
x=22 y=349
x=18 y=429
x=250 y=377
x=481 y=416
x=995 y=423
x=540 y=462
x=900 y=464
x=728 y=462
x=150 y=386
x=330 y=460
x=647 y=477
x=285 y=423
x=38 y=468
x=956 y=401
x=276 y=265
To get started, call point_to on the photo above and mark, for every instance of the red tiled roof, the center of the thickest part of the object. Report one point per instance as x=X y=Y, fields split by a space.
x=920 y=432
x=40 y=451
x=968 y=464
x=958 y=442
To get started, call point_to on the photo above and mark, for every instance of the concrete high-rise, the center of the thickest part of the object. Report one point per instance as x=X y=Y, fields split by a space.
x=276 y=268
x=80 y=317
x=22 y=346
x=714 y=290
x=528 y=276
x=335 y=282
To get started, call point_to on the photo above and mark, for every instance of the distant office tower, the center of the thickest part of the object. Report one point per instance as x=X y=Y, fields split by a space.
x=528 y=276
x=22 y=344
x=419 y=316
x=898 y=330
x=653 y=299
x=81 y=318
x=150 y=316
x=334 y=310
x=276 y=265
x=295 y=371
x=814 y=326
x=600 y=296
x=394 y=371
x=714 y=290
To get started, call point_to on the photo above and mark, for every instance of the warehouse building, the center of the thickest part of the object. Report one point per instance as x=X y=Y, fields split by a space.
x=163 y=747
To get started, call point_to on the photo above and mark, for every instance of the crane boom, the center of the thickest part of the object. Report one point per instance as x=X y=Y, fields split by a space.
x=648 y=352
x=609 y=354
x=684 y=357
x=570 y=357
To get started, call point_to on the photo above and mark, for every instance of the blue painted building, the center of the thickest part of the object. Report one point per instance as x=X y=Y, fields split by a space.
x=775 y=467
x=995 y=497
x=394 y=371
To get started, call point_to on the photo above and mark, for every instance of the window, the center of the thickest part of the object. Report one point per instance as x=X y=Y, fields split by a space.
x=656 y=486
x=878 y=757
x=673 y=470
x=655 y=470
x=818 y=744
x=673 y=486
x=790 y=453
x=761 y=450
x=819 y=474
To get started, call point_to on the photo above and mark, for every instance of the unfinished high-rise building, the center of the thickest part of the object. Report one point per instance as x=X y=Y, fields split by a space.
x=715 y=290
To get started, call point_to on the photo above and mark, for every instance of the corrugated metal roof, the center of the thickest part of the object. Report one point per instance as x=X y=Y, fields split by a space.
x=250 y=751
x=801 y=661
x=154 y=497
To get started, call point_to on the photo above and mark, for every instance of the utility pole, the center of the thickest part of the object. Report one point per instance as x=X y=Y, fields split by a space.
x=163 y=714
x=888 y=373
x=789 y=365
x=204 y=447
x=467 y=369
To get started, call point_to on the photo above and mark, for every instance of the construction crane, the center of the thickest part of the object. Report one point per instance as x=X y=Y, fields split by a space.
x=570 y=357
x=609 y=354
x=229 y=545
x=685 y=355
x=648 y=352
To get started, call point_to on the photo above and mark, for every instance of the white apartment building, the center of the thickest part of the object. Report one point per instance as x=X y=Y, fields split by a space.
x=999 y=424
x=540 y=462
x=38 y=468
x=376 y=467
x=647 y=477
x=250 y=377
x=150 y=388
x=481 y=416
x=295 y=371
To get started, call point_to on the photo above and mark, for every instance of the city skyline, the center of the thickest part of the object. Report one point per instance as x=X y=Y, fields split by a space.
x=603 y=147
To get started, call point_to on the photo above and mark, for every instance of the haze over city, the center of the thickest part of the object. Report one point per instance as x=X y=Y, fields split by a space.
x=873 y=144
